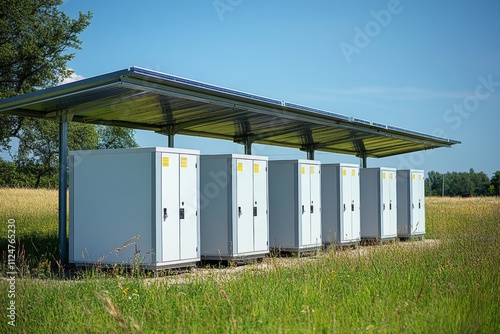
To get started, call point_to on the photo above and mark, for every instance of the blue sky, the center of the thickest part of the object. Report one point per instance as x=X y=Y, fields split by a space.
x=429 y=66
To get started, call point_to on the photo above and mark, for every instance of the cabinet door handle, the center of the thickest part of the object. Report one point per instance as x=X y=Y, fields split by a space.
x=165 y=215
x=303 y=209
x=239 y=211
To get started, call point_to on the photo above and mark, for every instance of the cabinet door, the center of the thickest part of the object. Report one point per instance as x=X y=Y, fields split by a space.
x=386 y=197
x=170 y=207
x=355 y=205
x=244 y=205
x=305 y=202
x=188 y=215
x=260 y=211
x=315 y=206
x=418 y=205
x=393 y=225
x=346 y=184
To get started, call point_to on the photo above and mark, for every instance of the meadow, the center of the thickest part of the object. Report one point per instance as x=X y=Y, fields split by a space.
x=448 y=283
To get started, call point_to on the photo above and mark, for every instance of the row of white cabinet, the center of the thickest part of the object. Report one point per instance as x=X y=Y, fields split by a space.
x=165 y=207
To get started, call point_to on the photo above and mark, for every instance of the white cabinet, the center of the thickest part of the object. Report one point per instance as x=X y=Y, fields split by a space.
x=411 y=203
x=295 y=204
x=134 y=206
x=340 y=204
x=234 y=206
x=378 y=203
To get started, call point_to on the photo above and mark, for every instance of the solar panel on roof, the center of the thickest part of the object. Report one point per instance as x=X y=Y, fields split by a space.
x=203 y=85
x=318 y=111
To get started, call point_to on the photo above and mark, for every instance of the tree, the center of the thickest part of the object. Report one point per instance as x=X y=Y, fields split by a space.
x=495 y=182
x=460 y=183
x=35 y=164
x=435 y=183
x=38 y=152
x=34 y=41
x=115 y=137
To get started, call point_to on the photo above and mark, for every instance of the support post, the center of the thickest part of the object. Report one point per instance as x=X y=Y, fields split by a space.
x=63 y=186
x=310 y=153
x=363 y=160
x=309 y=149
x=171 y=139
x=359 y=145
x=248 y=146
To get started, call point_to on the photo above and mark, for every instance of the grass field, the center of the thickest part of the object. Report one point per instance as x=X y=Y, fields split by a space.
x=448 y=284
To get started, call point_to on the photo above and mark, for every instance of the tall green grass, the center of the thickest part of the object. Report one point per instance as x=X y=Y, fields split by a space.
x=450 y=284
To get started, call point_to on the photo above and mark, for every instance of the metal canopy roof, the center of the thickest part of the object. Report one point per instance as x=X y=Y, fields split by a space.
x=143 y=99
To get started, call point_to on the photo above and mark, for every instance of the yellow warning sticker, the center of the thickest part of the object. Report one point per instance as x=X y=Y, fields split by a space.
x=312 y=169
x=390 y=176
x=344 y=172
x=303 y=169
x=353 y=172
x=240 y=167
x=413 y=176
x=165 y=162
x=184 y=162
x=255 y=168
x=383 y=175
x=420 y=177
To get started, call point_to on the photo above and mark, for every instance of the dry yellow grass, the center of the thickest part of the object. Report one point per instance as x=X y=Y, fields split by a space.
x=28 y=201
x=34 y=210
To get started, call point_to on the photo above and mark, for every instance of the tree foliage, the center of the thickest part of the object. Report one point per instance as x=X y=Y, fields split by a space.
x=114 y=137
x=35 y=164
x=35 y=43
x=34 y=40
x=462 y=183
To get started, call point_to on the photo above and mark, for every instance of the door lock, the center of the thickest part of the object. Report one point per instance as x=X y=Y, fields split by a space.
x=165 y=215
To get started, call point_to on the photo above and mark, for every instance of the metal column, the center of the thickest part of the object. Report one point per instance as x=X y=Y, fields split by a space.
x=310 y=153
x=363 y=160
x=359 y=145
x=248 y=146
x=63 y=173
x=171 y=139
x=246 y=140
